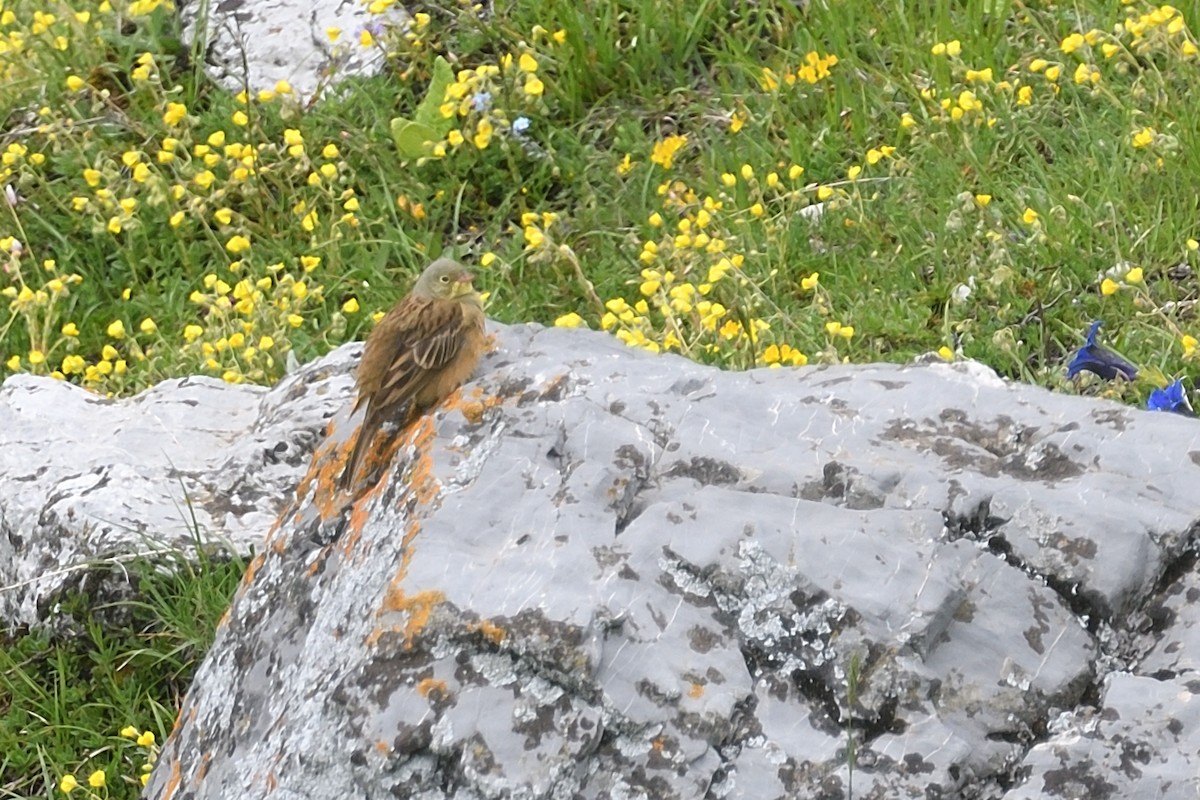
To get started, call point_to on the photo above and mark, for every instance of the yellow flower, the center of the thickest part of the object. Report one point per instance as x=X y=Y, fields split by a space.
x=109 y=353
x=626 y=165
x=1134 y=275
x=1189 y=345
x=36 y=357
x=795 y=171
x=309 y=263
x=237 y=244
x=810 y=283
x=1038 y=64
x=665 y=150
x=68 y=784
x=747 y=172
x=1072 y=43
x=175 y=114
x=70 y=329
x=239 y=118
x=571 y=320
x=75 y=83
x=116 y=329
x=534 y=238
x=655 y=220
x=1052 y=73
x=1029 y=217
x=148 y=326
x=190 y=333
x=756 y=210
x=527 y=63
x=97 y=779
x=223 y=215
x=945 y=353
x=982 y=200
x=350 y=306
x=176 y=219
x=1108 y=287
x=729 y=179
x=1024 y=95
x=1144 y=137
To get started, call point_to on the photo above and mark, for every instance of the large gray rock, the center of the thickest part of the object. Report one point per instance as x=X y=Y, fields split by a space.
x=605 y=574
x=89 y=482
x=257 y=43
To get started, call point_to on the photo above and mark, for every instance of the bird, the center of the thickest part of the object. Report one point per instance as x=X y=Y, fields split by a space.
x=418 y=353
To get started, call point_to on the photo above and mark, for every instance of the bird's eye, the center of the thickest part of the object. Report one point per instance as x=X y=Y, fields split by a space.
x=445 y=279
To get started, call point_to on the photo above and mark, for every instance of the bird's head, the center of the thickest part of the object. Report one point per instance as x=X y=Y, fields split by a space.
x=445 y=279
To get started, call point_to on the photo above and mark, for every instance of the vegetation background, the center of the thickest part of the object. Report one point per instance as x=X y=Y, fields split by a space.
x=745 y=184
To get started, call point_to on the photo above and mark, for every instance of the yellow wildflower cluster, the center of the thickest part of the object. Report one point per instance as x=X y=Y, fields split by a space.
x=815 y=68
x=247 y=323
x=146 y=741
x=1161 y=29
x=39 y=308
x=471 y=101
x=692 y=294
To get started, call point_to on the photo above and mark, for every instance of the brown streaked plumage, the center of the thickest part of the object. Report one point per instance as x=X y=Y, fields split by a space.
x=420 y=352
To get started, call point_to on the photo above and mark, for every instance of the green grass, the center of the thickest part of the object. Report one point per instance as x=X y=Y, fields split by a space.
x=665 y=189
x=65 y=699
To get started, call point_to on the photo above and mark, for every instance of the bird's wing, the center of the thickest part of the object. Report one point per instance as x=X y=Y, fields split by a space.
x=428 y=336
x=441 y=335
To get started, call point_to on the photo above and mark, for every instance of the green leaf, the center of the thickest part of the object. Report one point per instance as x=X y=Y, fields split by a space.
x=429 y=112
x=411 y=137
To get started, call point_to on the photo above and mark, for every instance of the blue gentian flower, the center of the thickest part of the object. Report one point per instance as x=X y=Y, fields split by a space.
x=520 y=125
x=1172 y=397
x=1094 y=358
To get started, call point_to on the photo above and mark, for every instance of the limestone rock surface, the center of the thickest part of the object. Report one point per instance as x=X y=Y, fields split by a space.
x=88 y=481
x=605 y=574
x=255 y=44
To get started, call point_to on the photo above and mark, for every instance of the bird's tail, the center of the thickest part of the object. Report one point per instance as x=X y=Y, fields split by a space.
x=366 y=433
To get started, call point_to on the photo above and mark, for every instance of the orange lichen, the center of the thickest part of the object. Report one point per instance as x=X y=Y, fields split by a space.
x=383 y=747
x=427 y=685
x=479 y=403
x=172 y=782
x=491 y=631
x=252 y=570
x=696 y=691
x=419 y=608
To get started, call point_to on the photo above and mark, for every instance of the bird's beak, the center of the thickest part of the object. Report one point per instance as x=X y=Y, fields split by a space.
x=462 y=284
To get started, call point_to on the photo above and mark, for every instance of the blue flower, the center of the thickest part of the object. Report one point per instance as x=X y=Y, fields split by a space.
x=520 y=125
x=1172 y=397
x=481 y=101
x=1094 y=358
